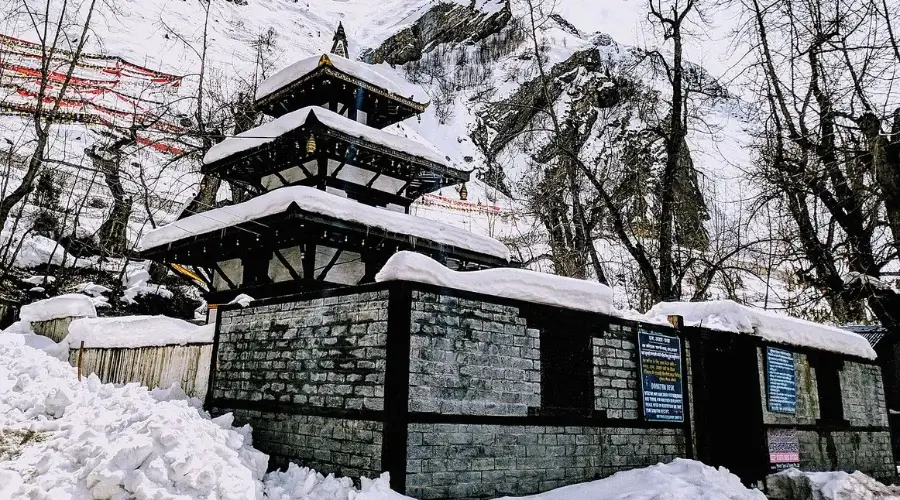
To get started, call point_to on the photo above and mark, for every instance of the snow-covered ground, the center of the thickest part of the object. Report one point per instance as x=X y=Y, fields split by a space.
x=61 y=438
x=64 y=438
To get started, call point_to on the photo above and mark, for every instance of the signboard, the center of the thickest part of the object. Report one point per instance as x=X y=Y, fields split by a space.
x=784 y=449
x=661 y=378
x=781 y=381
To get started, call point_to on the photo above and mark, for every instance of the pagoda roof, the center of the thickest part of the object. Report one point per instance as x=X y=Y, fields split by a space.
x=302 y=73
x=326 y=209
x=283 y=144
x=269 y=132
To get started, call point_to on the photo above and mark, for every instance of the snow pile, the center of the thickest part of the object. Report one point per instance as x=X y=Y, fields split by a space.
x=102 y=441
x=312 y=200
x=92 y=289
x=270 y=131
x=39 y=280
x=520 y=284
x=35 y=250
x=70 y=305
x=838 y=485
x=679 y=480
x=729 y=316
x=94 y=440
x=242 y=300
x=362 y=71
x=26 y=336
x=136 y=331
x=304 y=483
x=137 y=283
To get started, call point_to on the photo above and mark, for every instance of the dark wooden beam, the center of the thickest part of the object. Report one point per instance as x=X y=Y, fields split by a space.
x=338 y=169
x=330 y=264
x=374 y=178
x=224 y=276
x=287 y=265
x=284 y=182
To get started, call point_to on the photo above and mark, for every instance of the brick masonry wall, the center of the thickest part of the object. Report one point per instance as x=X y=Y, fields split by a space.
x=869 y=452
x=465 y=460
x=616 y=372
x=344 y=447
x=471 y=358
x=326 y=352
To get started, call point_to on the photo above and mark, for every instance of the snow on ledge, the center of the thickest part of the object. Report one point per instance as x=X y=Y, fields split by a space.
x=519 y=284
x=323 y=203
x=71 y=305
x=136 y=331
x=270 y=131
x=729 y=316
x=362 y=71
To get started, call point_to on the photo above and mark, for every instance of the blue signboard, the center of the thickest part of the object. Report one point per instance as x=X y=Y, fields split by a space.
x=781 y=381
x=661 y=380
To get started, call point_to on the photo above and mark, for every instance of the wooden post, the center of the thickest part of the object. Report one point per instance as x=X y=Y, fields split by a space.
x=80 y=353
x=676 y=321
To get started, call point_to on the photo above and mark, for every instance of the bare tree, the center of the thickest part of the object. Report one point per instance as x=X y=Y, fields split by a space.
x=828 y=150
x=54 y=40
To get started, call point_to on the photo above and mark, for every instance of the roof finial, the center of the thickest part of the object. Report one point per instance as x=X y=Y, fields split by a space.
x=340 y=42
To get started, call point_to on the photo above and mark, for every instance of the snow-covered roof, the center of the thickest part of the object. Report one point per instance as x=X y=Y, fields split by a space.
x=71 y=305
x=729 y=316
x=519 y=284
x=136 y=331
x=320 y=202
x=270 y=131
x=361 y=71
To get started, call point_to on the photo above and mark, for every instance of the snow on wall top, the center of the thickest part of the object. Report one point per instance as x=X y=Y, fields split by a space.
x=519 y=284
x=362 y=71
x=323 y=203
x=270 y=131
x=136 y=331
x=71 y=305
x=729 y=316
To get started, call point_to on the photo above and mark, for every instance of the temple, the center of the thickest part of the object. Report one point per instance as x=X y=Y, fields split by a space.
x=328 y=189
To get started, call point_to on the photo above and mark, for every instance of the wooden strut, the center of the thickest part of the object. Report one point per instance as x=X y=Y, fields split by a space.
x=80 y=354
x=331 y=264
x=287 y=265
x=284 y=182
x=231 y=285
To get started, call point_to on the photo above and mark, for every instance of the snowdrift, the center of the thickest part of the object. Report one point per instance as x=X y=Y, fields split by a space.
x=84 y=440
x=520 y=284
x=729 y=316
x=678 y=480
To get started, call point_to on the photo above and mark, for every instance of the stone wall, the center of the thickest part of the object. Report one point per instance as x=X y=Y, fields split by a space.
x=862 y=394
x=325 y=352
x=866 y=451
x=308 y=376
x=471 y=358
x=616 y=377
x=461 y=461
x=345 y=447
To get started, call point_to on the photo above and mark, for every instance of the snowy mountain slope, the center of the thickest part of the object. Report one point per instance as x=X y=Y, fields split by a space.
x=468 y=76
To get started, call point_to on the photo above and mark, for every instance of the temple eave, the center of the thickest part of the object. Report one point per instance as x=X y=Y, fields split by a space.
x=298 y=227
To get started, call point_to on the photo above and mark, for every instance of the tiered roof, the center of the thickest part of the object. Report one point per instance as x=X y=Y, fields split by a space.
x=287 y=142
x=319 y=79
x=318 y=174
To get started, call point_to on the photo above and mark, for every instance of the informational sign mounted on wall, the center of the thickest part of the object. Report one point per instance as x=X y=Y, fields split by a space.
x=784 y=449
x=661 y=376
x=781 y=381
